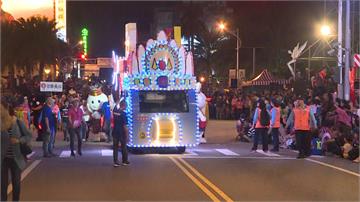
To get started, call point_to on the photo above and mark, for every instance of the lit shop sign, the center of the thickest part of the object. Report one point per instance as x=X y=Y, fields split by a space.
x=46 y=86
x=60 y=18
x=85 y=34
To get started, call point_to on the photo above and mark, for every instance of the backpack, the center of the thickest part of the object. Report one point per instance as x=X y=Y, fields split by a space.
x=264 y=118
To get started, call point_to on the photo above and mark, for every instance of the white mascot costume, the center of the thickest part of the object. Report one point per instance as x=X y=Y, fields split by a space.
x=201 y=101
x=94 y=102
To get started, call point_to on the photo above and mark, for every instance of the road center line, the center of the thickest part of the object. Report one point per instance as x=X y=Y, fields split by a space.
x=196 y=181
x=25 y=173
x=204 y=179
x=334 y=167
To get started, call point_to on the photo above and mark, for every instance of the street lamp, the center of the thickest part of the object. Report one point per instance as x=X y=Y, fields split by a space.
x=202 y=79
x=325 y=30
x=222 y=28
x=47 y=71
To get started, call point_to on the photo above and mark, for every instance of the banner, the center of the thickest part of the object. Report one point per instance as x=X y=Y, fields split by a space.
x=47 y=86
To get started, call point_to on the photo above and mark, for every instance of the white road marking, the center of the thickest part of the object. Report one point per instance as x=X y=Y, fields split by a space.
x=65 y=154
x=334 y=167
x=238 y=157
x=190 y=153
x=317 y=156
x=227 y=152
x=30 y=155
x=106 y=152
x=25 y=173
x=266 y=153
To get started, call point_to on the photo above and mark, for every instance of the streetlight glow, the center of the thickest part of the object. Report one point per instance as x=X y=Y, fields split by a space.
x=221 y=26
x=47 y=71
x=325 y=30
x=202 y=79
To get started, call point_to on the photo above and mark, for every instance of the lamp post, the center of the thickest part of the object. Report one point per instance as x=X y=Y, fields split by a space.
x=47 y=72
x=222 y=28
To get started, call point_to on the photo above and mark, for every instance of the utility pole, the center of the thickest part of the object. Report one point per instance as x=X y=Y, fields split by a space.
x=340 y=52
x=347 y=52
x=237 y=56
x=309 y=64
x=254 y=60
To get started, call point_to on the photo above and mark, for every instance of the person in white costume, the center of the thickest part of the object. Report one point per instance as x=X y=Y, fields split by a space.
x=201 y=101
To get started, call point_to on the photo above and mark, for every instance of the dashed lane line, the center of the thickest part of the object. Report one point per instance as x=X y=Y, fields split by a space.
x=239 y=157
x=227 y=152
x=106 y=152
x=266 y=153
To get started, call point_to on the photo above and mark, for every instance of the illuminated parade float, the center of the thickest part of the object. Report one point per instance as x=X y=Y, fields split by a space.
x=160 y=91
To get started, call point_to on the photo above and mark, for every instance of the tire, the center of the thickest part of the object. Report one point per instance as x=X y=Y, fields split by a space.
x=181 y=150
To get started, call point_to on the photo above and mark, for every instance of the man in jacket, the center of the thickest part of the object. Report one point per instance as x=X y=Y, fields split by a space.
x=120 y=132
x=302 y=118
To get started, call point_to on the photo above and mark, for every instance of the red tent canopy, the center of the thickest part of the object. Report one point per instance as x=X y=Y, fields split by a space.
x=265 y=78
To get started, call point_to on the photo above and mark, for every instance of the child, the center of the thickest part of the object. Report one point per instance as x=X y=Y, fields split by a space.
x=242 y=128
x=316 y=146
x=347 y=147
x=325 y=134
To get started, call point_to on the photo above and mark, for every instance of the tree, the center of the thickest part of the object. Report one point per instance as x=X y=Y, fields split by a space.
x=38 y=43
x=9 y=46
x=191 y=22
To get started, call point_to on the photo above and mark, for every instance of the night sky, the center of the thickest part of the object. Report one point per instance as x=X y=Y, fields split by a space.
x=288 y=22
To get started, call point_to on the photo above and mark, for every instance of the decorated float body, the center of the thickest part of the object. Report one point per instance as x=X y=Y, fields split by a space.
x=159 y=85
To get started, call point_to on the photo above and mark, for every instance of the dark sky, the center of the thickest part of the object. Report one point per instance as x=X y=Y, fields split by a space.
x=106 y=21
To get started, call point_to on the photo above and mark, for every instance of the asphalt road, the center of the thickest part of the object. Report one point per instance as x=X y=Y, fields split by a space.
x=210 y=172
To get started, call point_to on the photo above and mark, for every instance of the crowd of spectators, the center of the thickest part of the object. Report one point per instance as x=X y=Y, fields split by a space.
x=337 y=120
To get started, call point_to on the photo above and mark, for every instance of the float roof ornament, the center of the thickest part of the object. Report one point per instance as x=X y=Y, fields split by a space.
x=162 y=64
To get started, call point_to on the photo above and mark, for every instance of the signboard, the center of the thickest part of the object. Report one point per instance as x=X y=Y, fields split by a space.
x=104 y=62
x=232 y=77
x=47 y=86
x=84 y=35
x=130 y=38
x=232 y=73
x=241 y=74
x=60 y=18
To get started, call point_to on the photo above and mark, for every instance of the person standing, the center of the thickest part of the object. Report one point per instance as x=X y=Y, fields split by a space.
x=65 y=119
x=302 y=117
x=106 y=111
x=13 y=133
x=261 y=121
x=275 y=124
x=75 y=120
x=85 y=129
x=48 y=125
x=36 y=109
x=120 y=133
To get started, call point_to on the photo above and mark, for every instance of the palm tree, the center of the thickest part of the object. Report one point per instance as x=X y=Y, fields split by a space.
x=40 y=44
x=9 y=46
x=191 y=22
x=213 y=52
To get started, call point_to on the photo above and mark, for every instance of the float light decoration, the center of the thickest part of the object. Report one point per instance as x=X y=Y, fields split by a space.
x=161 y=68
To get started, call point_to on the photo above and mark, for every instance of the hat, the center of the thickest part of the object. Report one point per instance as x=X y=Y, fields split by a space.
x=95 y=91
